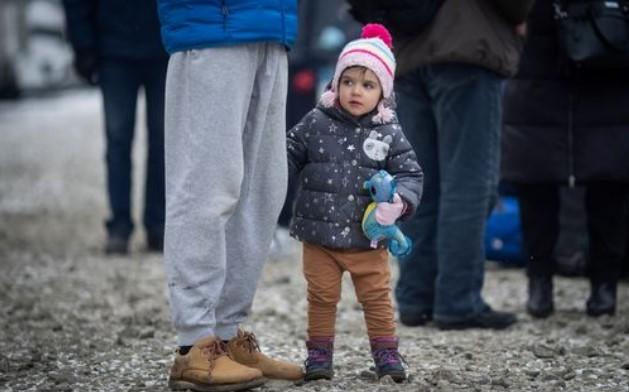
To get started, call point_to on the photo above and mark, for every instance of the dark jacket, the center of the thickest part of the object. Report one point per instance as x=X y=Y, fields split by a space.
x=115 y=28
x=562 y=124
x=478 y=32
x=331 y=155
x=190 y=24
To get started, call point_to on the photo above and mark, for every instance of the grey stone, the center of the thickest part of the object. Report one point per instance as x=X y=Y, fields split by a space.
x=544 y=351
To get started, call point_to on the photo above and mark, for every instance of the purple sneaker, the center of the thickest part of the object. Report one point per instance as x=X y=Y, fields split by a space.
x=387 y=358
x=319 y=362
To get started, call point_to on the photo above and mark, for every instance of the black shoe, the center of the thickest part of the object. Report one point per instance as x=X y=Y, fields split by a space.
x=602 y=299
x=488 y=319
x=155 y=243
x=415 y=319
x=117 y=245
x=540 y=301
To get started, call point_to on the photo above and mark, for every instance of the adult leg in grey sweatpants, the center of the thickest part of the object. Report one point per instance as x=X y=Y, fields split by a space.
x=225 y=181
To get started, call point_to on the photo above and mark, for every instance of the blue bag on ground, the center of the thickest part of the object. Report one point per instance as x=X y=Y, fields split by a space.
x=503 y=235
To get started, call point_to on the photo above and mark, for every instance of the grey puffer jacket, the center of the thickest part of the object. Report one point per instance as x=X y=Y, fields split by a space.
x=331 y=155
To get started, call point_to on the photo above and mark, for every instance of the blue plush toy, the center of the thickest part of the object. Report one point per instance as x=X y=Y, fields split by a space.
x=382 y=188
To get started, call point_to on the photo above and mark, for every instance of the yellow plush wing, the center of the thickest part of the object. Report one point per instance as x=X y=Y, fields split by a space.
x=368 y=210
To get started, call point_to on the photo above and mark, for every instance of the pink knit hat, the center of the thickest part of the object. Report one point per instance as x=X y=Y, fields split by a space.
x=372 y=51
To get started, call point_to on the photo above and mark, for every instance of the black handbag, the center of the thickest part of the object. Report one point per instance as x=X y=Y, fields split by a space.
x=594 y=33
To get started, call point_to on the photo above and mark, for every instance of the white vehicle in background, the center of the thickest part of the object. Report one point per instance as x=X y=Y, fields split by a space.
x=34 y=55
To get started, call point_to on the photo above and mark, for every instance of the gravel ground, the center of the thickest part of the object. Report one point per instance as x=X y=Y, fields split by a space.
x=74 y=320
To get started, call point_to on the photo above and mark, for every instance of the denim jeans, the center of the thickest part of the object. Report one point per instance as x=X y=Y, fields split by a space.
x=120 y=81
x=451 y=114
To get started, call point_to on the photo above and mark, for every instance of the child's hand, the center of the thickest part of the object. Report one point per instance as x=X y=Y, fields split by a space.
x=388 y=213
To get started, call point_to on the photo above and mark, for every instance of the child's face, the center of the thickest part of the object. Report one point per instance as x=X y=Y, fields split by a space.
x=359 y=91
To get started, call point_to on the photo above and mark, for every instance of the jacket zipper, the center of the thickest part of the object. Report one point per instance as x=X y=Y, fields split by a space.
x=225 y=12
x=283 y=23
x=571 y=175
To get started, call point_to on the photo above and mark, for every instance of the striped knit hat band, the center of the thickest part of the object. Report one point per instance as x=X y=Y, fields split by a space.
x=373 y=52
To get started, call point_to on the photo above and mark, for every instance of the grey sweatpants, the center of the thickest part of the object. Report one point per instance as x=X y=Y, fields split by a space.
x=225 y=181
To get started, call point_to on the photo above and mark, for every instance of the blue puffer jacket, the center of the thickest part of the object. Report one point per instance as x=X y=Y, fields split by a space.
x=190 y=24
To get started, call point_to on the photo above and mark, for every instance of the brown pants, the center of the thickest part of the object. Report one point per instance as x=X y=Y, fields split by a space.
x=369 y=269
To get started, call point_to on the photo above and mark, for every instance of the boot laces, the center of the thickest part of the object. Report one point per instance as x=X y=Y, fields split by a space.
x=389 y=356
x=317 y=355
x=248 y=341
x=213 y=351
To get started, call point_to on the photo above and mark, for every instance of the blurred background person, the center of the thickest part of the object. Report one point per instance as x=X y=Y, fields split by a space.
x=567 y=125
x=117 y=46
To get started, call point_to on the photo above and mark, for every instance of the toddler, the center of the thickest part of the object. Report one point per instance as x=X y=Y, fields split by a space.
x=351 y=135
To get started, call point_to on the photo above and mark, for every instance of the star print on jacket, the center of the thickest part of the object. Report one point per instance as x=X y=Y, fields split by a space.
x=330 y=156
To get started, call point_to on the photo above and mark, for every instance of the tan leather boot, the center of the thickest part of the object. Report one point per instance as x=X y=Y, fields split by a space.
x=208 y=368
x=245 y=350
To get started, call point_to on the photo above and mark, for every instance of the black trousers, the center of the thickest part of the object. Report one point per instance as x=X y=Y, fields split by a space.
x=606 y=224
